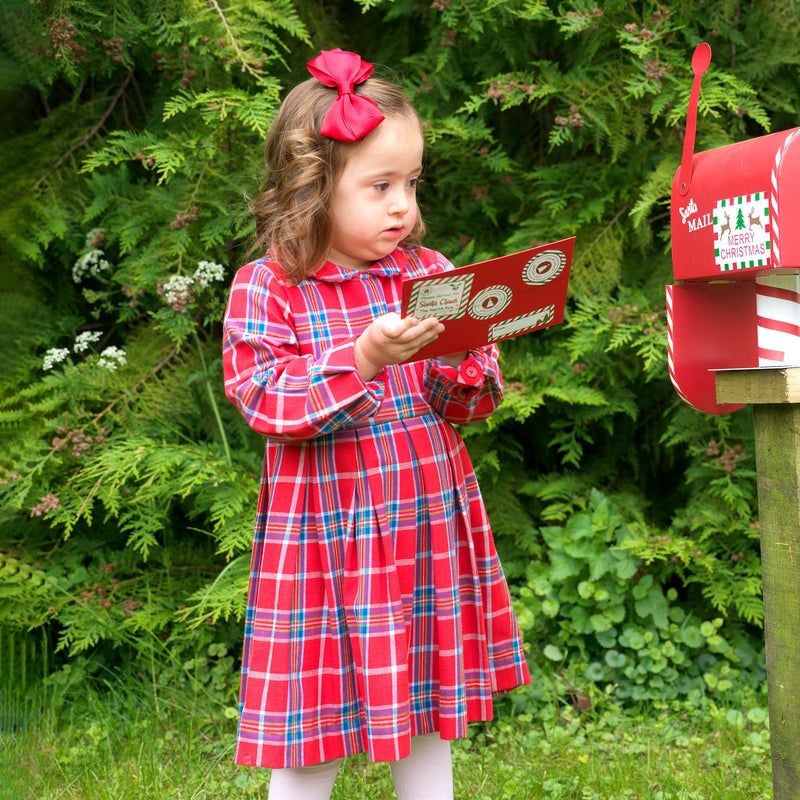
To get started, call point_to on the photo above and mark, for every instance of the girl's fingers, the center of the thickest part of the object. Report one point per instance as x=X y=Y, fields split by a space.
x=407 y=329
x=428 y=329
x=424 y=335
x=392 y=339
x=391 y=325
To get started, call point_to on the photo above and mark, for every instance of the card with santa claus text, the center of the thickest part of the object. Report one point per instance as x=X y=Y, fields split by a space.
x=493 y=300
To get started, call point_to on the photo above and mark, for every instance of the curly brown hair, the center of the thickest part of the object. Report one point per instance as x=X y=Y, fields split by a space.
x=292 y=210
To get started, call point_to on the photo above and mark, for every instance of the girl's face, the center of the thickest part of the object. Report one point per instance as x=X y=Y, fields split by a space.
x=374 y=204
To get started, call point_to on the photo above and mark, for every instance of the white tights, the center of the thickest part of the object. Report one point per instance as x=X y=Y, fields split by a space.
x=427 y=774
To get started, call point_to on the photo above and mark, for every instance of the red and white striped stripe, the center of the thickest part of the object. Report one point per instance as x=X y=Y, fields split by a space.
x=773 y=210
x=670 y=344
x=778 y=319
x=778 y=294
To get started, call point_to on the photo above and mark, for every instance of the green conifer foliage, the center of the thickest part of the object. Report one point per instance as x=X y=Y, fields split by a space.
x=126 y=476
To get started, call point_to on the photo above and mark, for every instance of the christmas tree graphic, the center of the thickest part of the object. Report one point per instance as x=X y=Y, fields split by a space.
x=740 y=223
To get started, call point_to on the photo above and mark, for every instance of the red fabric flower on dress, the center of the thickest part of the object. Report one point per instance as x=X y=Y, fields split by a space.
x=351 y=116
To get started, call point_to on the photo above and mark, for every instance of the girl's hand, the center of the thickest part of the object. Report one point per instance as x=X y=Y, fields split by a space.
x=391 y=339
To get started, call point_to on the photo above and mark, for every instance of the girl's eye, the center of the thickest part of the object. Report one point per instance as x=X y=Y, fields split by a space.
x=383 y=186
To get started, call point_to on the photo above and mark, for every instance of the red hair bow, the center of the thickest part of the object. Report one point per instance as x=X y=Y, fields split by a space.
x=351 y=116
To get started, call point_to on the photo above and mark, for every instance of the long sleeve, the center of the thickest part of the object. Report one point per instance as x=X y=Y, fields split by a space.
x=468 y=393
x=284 y=393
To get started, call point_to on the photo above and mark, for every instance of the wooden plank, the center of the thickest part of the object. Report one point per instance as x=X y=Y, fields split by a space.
x=777 y=429
x=775 y=394
x=759 y=385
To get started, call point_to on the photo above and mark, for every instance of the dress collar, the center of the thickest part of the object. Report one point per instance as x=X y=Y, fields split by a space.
x=388 y=267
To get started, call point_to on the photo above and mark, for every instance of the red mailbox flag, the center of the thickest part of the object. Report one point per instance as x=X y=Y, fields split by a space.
x=736 y=247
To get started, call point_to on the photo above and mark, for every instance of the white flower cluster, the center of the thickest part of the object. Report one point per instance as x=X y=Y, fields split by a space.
x=207 y=272
x=177 y=289
x=55 y=355
x=85 y=339
x=112 y=357
x=90 y=263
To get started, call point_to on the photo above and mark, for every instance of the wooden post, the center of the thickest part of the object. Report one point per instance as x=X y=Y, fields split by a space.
x=775 y=394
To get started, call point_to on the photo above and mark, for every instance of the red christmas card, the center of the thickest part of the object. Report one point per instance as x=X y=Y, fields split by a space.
x=493 y=300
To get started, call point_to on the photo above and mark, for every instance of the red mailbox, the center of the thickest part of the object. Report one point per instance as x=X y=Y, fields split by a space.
x=736 y=247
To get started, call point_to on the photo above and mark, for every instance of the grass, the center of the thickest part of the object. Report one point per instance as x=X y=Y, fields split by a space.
x=130 y=745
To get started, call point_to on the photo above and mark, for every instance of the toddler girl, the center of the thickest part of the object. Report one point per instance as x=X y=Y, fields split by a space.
x=379 y=619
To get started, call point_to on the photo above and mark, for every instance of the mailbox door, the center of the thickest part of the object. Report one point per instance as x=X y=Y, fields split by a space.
x=711 y=326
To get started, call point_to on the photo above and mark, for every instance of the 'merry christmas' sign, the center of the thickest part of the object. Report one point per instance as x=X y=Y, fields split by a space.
x=741 y=226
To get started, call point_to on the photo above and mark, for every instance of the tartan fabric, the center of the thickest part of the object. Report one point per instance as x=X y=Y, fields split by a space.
x=378 y=609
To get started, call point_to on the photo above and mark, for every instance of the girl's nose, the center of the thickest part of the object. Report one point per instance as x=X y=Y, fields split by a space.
x=399 y=202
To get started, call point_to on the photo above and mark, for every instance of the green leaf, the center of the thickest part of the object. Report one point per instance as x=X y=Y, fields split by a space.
x=553 y=653
x=601 y=622
x=616 y=659
x=691 y=636
x=632 y=638
x=654 y=605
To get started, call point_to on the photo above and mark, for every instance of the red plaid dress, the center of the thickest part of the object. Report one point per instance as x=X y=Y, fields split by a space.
x=378 y=609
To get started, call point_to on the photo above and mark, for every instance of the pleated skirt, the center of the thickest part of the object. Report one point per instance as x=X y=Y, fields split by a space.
x=378 y=609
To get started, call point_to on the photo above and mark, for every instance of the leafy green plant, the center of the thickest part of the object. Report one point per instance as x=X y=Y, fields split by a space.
x=603 y=628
